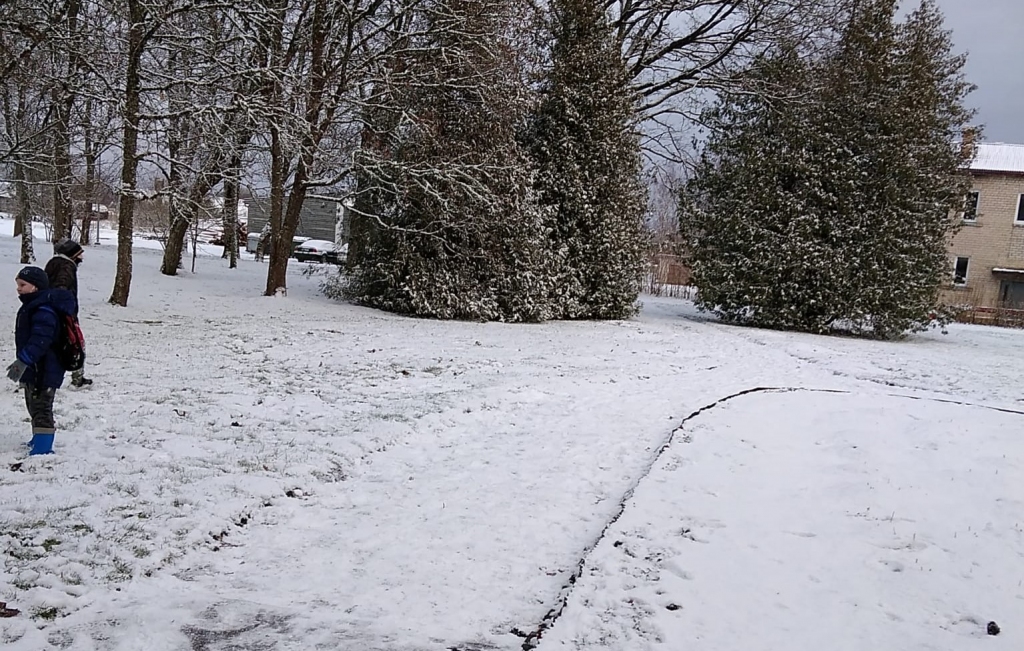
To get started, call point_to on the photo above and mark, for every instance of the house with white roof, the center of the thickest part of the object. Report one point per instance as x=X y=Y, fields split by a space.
x=987 y=254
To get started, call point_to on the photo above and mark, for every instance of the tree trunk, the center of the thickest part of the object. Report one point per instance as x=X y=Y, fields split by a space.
x=359 y=226
x=231 y=211
x=281 y=249
x=276 y=277
x=63 y=211
x=130 y=145
x=178 y=218
x=184 y=212
x=281 y=236
x=195 y=244
x=175 y=237
x=23 y=218
x=62 y=208
x=84 y=238
x=89 y=150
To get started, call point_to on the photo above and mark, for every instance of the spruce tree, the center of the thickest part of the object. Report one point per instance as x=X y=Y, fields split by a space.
x=588 y=156
x=824 y=196
x=450 y=227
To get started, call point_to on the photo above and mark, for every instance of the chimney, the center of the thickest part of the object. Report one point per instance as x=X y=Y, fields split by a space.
x=969 y=143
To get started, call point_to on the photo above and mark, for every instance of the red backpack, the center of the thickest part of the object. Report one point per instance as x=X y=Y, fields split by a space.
x=69 y=345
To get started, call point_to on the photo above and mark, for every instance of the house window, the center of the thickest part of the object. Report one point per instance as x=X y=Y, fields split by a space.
x=971 y=206
x=1012 y=294
x=1020 y=209
x=960 y=271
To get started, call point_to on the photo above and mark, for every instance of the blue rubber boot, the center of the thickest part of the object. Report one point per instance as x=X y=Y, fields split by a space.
x=41 y=444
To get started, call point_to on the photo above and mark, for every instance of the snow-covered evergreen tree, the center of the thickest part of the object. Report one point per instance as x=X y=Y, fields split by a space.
x=451 y=226
x=823 y=198
x=588 y=154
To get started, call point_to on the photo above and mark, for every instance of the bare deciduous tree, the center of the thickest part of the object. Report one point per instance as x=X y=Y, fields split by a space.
x=26 y=119
x=674 y=49
x=145 y=20
x=207 y=83
x=229 y=215
x=142 y=26
x=316 y=54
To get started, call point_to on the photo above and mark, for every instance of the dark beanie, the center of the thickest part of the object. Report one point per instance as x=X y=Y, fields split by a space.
x=35 y=276
x=68 y=247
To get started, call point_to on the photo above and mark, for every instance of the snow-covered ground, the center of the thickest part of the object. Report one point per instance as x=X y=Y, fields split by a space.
x=285 y=474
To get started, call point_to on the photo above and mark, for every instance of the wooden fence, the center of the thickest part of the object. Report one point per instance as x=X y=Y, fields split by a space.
x=669 y=276
x=998 y=316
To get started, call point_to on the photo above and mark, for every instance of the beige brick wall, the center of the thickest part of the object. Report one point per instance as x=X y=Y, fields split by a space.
x=993 y=241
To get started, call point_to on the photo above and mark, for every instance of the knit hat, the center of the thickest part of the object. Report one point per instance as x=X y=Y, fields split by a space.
x=34 y=276
x=68 y=247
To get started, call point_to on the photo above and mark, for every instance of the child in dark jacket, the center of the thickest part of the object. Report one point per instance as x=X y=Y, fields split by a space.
x=62 y=270
x=36 y=366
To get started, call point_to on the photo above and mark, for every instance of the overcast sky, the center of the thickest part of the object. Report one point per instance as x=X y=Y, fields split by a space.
x=992 y=33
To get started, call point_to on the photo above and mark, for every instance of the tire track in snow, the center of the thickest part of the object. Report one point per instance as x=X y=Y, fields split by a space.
x=532 y=637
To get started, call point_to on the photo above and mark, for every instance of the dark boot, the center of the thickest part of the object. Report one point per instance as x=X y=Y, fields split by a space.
x=80 y=381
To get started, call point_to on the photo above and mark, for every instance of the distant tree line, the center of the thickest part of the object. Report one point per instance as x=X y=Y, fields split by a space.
x=493 y=152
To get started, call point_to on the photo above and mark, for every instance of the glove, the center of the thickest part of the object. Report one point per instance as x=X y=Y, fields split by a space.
x=16 y=370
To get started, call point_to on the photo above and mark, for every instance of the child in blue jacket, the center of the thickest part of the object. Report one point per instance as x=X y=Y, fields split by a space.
x=37 y=367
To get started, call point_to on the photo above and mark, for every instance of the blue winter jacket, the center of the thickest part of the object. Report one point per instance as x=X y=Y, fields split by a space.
x=36 y=331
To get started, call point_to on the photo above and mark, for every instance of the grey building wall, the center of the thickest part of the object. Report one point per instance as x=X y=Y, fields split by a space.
x=318 y=218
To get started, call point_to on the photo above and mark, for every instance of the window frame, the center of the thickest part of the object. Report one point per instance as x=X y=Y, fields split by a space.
x=967 y=270
x=973 y=219
x=1018 y=219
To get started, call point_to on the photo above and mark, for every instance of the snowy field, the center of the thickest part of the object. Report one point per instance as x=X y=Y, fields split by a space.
x=289 y=474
